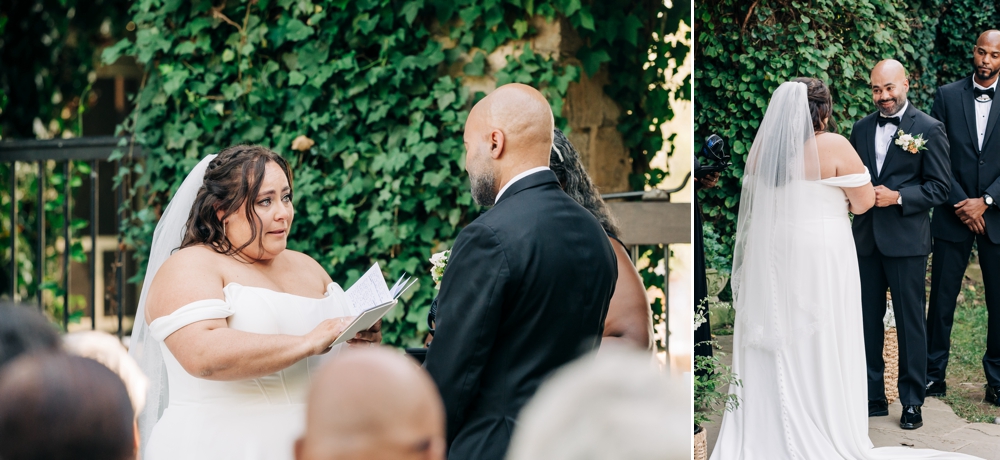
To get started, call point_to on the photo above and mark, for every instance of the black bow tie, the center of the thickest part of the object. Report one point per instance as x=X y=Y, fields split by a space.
x=979 y=92
x=882 y=121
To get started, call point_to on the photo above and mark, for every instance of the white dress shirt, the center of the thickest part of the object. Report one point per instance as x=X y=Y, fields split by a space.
x=983 y=112
x=883 y=137
x=517 y=178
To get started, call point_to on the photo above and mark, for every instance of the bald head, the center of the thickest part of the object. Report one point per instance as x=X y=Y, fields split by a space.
x=986 y=57
x=889 y=85
x=507 y=132
x=372 y=404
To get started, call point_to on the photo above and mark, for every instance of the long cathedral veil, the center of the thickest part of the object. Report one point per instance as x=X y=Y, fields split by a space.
x=143 y=347
x=768 y=248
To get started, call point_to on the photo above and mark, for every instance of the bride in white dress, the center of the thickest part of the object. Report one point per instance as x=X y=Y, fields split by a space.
x=798 y=341
x=234 y=322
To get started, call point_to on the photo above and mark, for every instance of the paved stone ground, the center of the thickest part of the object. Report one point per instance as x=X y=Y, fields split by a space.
x=942 y=430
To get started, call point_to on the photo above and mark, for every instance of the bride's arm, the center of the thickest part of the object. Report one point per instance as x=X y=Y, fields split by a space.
x=209 y=349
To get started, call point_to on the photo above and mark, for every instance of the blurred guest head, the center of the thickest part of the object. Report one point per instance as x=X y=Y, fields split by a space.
x=109 y=351
x=508 y=132
x=372 y=404
x=565 y=162
x=55 y=406
x=23 y=329
x=615 y=405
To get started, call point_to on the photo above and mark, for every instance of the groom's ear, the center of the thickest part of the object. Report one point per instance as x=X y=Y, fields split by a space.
x=496 y=144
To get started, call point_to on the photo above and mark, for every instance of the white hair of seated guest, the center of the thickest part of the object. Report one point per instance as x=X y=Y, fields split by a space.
x=614 y=405
x=109 y=351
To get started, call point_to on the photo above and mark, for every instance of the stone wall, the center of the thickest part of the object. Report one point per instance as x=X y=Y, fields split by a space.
x=592 y=115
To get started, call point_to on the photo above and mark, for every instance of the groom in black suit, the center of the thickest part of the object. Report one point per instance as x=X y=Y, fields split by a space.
x=527 y=285
x=969 y=113
x=894 y=238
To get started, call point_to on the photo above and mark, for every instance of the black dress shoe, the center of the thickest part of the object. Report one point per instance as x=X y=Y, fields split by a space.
x=993 y=395
x=911 y=418
x=936 y=389
x=878 y=408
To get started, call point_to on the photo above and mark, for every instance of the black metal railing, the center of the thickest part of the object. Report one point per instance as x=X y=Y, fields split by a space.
x=94 y=150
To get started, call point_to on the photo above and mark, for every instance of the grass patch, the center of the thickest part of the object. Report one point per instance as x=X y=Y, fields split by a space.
x=965 y=376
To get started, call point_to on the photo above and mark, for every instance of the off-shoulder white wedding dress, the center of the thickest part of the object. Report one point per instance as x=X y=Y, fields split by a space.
x=806 y=398
x=254 y=419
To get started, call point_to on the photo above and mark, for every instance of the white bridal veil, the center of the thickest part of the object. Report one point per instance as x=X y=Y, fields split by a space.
x=166 y=238
x=767 y=256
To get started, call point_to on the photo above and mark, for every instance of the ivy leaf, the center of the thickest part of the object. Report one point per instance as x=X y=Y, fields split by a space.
x=592 y=60
x=410 y=9
x=520 y=27
x=296 y=78
x=476 y=66
x=228 y=55
x=586 y=18
x=630 y=30
x=174 y=80
x=445 y=100
x=572 y=7
x=296 y=30
x=113 y=52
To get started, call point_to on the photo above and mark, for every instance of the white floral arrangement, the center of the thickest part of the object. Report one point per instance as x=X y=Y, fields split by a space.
x=911 y=143
x=438 y=263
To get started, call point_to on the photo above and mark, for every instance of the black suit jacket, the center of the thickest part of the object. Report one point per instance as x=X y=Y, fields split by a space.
x=526 y=291
x=922 y=179
x=974 y=171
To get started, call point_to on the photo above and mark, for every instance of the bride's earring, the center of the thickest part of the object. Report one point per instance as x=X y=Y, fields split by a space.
x=224 y=229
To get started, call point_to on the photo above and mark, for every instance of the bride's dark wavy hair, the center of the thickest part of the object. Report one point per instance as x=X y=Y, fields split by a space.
x=232 y=179
x=820 y=103
x=564 y=161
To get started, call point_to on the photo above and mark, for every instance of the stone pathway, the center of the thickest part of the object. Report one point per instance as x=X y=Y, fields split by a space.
x=942 y=430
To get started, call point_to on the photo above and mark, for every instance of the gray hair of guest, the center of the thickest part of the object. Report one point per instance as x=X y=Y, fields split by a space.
x=612 y=405
x=564 y=161
x=23 y=329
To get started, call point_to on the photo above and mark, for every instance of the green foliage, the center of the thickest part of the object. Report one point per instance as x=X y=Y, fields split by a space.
x=711 y=397
x=747 y=50
x=378 y=85
x=47 y=60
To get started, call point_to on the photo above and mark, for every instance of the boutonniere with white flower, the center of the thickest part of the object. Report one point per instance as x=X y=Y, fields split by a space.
x=438 y=263
x=911 y=143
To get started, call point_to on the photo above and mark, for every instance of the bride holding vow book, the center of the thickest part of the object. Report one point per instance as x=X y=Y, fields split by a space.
x=230 y=323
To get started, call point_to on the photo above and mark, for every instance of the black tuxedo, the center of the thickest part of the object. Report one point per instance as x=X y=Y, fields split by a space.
x=893 y=243
x=526 y=291
x=975 y=172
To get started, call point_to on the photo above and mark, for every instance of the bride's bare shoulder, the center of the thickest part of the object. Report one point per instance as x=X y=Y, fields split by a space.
x=834 y=142
x=192 y=255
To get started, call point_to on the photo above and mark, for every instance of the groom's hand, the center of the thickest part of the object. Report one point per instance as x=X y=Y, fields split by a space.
x=978 y=226
x=885 y=197
x=971 y=210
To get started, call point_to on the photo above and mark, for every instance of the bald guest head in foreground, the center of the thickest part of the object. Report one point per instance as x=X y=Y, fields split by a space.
x=372 y=404
x=508 y=132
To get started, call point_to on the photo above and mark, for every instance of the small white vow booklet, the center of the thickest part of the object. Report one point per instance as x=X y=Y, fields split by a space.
x=371 y=299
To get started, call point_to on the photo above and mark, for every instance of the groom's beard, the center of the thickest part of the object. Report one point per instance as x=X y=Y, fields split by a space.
x=892 y=109
x=986 y=74
x=484 y=187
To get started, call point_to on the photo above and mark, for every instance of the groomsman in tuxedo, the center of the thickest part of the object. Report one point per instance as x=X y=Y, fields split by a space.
x=527 y=285
x=893 y=239
x=969 y=113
